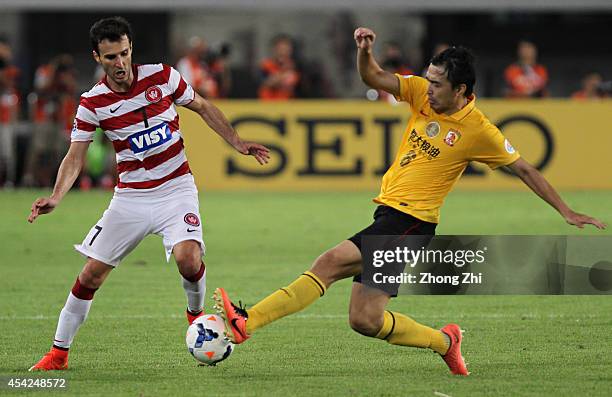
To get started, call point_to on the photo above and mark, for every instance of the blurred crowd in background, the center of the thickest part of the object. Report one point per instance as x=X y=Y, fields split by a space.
x=44 y=99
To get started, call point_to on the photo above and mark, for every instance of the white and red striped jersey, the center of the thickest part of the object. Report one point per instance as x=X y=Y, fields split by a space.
x=142 y=124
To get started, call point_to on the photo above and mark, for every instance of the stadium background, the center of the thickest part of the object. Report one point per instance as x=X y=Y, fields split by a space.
x=262 y=230
x=570 y=39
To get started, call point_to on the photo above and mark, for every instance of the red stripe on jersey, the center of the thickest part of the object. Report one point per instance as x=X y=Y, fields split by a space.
x=182 y=170
x=180 y=90
x=151 y=161
x=84 y=125
x=136 y=116
x=88 y=104
x=157 y=78
x=166 y=73
x=174 y=124
x=120 y=145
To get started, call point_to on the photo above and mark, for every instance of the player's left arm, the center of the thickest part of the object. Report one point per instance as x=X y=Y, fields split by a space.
x=219 y=123
x=536 y=182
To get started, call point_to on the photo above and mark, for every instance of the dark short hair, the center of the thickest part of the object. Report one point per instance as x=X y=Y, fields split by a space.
x=459 y=65
x=111 y=29
x=281 y=37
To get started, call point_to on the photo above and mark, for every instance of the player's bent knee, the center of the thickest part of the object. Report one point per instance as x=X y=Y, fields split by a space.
x=94 y=273
x=189 y=267
x=188 y=259
x=328 y=266
x=365 y=324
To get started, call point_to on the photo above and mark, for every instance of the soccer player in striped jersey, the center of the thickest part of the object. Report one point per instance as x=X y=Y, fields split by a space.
x=444 y=133
x=135 y=106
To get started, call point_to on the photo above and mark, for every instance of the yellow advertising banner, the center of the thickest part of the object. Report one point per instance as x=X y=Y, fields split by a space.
x=348 y=145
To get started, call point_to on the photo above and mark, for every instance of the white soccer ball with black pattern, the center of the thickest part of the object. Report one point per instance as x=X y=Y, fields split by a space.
x=206 y=340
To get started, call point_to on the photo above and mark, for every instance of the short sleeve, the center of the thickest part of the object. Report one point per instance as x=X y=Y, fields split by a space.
x=85 y=122
x=413 y=89
x=182 y=92
x=493 y=149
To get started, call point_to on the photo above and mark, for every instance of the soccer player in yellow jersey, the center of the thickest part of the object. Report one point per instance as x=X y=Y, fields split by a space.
x=445 y=132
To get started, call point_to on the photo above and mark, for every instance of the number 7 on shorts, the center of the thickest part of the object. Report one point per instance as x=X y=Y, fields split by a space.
x=99 y=229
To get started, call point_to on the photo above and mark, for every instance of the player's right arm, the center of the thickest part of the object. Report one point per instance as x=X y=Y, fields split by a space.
x=540 y=186
x=68 y=172
x=370 y=71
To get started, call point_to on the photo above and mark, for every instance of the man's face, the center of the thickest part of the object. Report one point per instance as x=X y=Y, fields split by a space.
x=198 y=47
x=115 y=57
x=592 y=81
x=440 y=92
x=527 y=52
x=283 y=49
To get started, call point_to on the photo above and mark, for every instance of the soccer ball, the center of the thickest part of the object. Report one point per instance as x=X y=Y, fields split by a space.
x=206 y=340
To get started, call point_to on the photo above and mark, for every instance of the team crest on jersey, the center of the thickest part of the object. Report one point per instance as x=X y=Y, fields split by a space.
x=509 y=147
x=432 y=129
x=452 y=137
x=153 y=94
x=192 y=219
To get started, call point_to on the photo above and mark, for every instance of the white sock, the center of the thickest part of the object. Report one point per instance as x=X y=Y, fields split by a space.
x=71 y=317
x=195 y=291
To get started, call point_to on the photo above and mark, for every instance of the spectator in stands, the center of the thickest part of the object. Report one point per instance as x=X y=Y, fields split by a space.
x=526 y=78
x=52 y=109
x=9 y=110
x=195 y=71
x=392 y=60
x=218 y=67
x=314 y=82
x=593 y=87
x=279 y=73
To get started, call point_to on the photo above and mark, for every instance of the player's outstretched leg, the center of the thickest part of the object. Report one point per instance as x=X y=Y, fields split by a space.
x=188 y=256
x=340 y=262
x=367 y=315
x=295 y=297
x=73 y=315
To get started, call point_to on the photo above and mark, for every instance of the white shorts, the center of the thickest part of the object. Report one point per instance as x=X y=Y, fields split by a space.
x=128 y=220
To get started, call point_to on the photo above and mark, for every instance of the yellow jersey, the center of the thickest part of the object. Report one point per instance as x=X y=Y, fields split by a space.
x=435 y=150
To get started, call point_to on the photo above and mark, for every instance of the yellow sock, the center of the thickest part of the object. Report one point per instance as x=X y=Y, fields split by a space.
x=293 y=298
x=401 y=330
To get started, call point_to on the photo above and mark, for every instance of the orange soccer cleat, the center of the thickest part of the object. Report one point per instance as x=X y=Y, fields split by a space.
x=55 y=360
x=453 y=357
x=235 y=317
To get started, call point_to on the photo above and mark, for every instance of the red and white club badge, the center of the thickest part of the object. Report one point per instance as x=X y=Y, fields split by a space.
x=452 y=137
x=153 y=94
x=192 y=219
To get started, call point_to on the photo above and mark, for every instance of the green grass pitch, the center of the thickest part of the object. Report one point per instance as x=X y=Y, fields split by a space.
x=133 y=341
